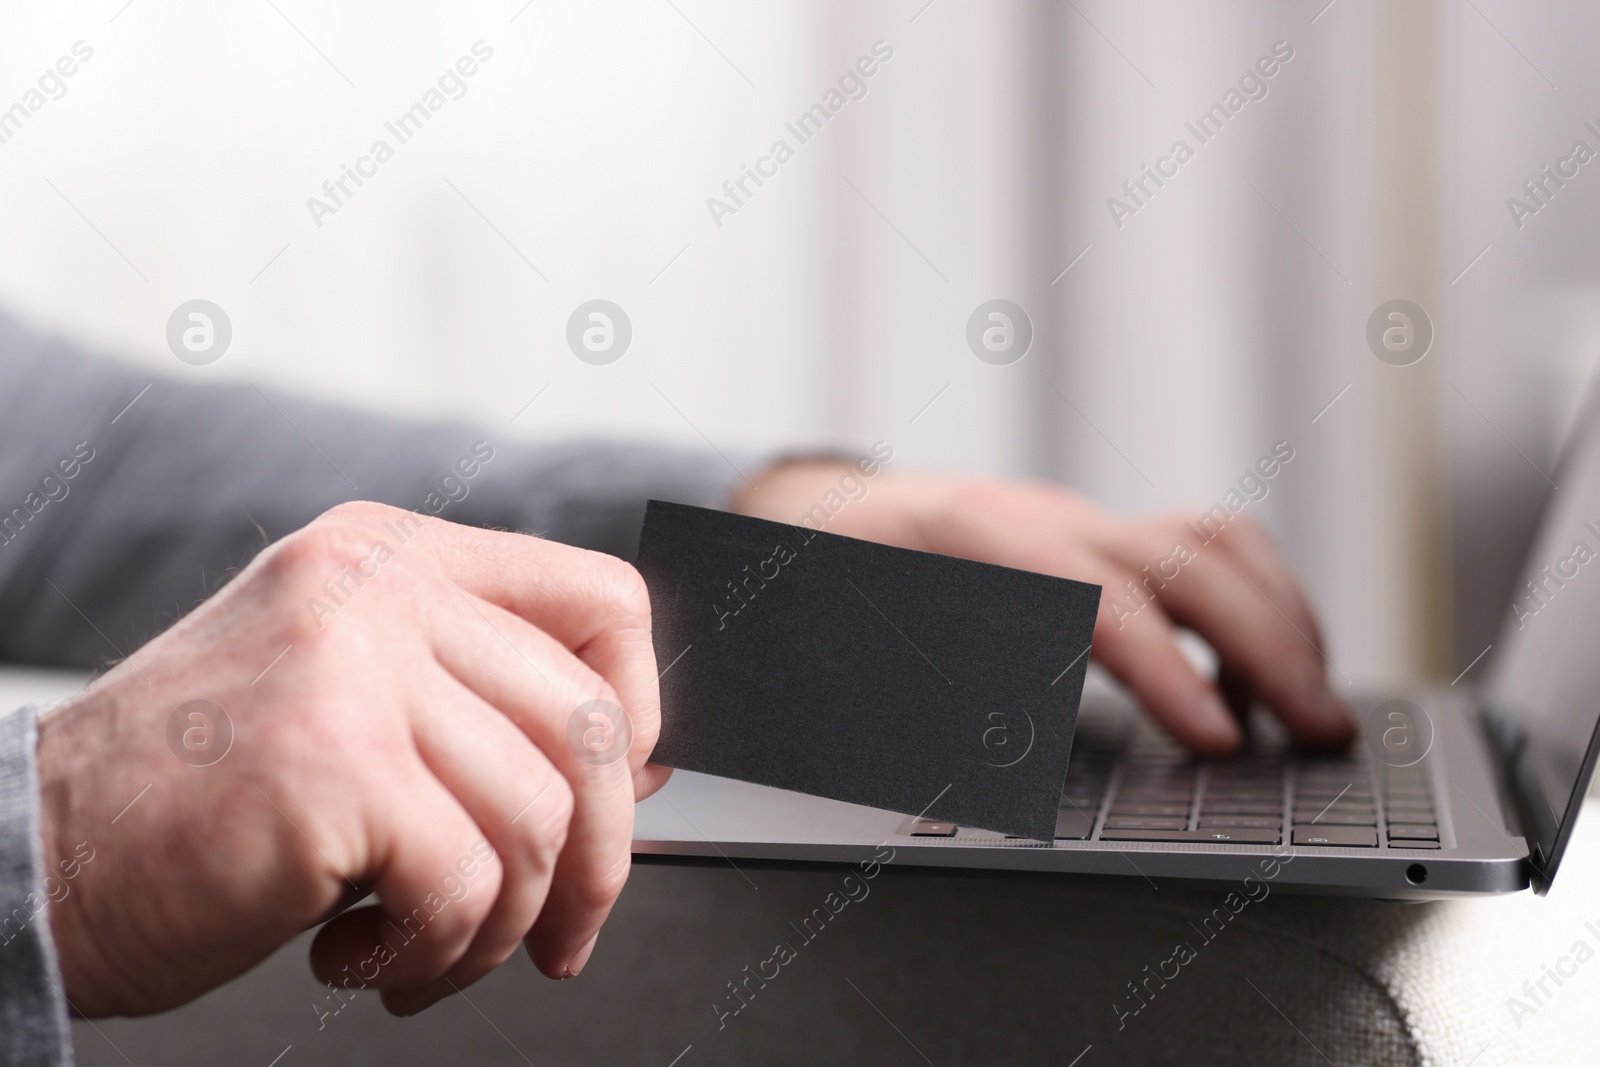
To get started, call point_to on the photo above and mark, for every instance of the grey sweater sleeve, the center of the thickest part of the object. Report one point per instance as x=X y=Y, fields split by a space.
x=33 y=1014
x=126 y=498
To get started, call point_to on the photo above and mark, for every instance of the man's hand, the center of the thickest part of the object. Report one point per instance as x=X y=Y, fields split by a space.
x=401 y=696
x=1234 y=590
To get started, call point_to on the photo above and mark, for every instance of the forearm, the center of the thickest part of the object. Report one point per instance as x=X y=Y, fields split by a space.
x=169 y=497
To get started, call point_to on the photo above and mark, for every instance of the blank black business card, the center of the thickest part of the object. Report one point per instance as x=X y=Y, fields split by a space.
x=904 y=680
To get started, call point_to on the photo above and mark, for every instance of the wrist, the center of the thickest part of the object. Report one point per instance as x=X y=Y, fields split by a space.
x=855 y=498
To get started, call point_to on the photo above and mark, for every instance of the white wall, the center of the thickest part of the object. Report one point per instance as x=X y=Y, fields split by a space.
x=590 y=142
x=1218 y=320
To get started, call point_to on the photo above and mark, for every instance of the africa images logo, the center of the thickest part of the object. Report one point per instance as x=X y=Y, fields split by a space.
x=999 y=332
x=199 y=733
x=599 y=332
x=199 y=332
x=599 y=732
x=1399 y=332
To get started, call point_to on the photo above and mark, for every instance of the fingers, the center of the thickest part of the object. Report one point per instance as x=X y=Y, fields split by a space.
x=420 y=841
x=651 y=777
x=1246 y=544
x=521 y=803
x=1134 y=640
x=538 y=686
x=1271 y=646
x=554 y=629
x=1250 y=633
x=594 y=604
x=1141 y=650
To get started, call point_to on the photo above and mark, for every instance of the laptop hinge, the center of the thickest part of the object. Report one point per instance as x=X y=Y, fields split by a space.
x=1520 y=796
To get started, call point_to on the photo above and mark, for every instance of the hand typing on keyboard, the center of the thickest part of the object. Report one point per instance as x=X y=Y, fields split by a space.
x=1216 y=573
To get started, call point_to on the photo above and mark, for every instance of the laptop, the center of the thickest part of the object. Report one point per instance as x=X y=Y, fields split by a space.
x=1450 y=790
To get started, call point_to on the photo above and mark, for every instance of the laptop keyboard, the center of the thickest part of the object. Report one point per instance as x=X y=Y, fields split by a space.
x=1134 y=784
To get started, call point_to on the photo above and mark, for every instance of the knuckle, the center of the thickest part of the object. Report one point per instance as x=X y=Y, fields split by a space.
x=1164 y=533
x=1168 y=523
x=544 y=831
x=460 y=918
x=623 y=588
x=455 y=902
x=1286 y=652
x=976 y=495
x=479 y=899
x=359 y=513
x=602 y=888
x=294 y=575
x=1248 y=522
x=313 y=550
x=603 y=690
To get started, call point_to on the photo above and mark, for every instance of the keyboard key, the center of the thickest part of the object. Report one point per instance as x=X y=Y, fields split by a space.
x=1412 y=844
x=1071 y=826
x=1333 y=796
x=1134 y=807
x=1414 y=831
x=1335 y=781
x=1334 y=818
x=1124 y=822
x=1349 y=836
x=933 y=828
x=1238 y=822
x=1210 y=837
x=1314 y=806
x=1212 y=806
x=1308 y=804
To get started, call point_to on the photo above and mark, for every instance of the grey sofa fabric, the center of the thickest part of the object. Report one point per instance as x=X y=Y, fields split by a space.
x=956 y=969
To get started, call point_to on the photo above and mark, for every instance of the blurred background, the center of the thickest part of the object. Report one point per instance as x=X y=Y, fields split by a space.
x=1175 y=340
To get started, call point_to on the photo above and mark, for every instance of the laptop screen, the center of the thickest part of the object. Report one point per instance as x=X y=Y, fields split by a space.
x=1544 y=689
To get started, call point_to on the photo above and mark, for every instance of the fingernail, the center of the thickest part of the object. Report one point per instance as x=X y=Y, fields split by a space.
x=1216 y=722
x=581 y=957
